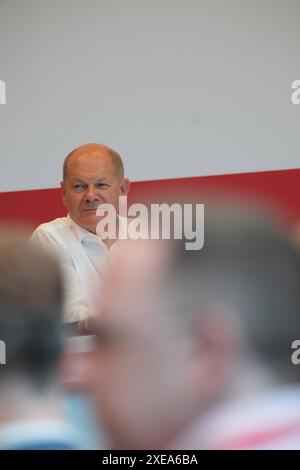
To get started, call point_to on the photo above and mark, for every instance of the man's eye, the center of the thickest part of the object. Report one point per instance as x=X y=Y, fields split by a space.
x=102 y=185
x=78 y=186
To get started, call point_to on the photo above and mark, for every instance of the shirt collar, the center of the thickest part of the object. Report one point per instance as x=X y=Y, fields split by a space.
x=81 y=233
x=84 y=235
x=230 y=421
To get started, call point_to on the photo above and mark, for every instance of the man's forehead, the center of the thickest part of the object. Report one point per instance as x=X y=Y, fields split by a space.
x=80 y=177
x=90 y=164
x=142 y=257
x=91 y=158
x=137 y=272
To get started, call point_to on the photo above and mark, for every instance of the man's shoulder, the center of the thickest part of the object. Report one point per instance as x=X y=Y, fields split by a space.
x=53 y=226
x=57 y=233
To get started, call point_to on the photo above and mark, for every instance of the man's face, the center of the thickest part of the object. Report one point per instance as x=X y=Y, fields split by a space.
x=140 y=374
x=91 y=180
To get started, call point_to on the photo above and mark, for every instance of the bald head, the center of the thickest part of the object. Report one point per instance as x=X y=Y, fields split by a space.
x=97 y=150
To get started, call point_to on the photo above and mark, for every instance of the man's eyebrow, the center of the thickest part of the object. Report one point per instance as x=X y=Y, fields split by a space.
x=77 y=180
x=100 y=179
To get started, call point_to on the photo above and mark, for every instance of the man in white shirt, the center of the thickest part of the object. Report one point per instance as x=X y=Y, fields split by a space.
x=93 y=174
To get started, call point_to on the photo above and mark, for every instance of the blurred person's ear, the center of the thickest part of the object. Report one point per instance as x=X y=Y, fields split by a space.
x=215 y=343
x=76 y=363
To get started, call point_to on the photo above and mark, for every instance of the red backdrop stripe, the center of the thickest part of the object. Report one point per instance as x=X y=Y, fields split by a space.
x=281 y=187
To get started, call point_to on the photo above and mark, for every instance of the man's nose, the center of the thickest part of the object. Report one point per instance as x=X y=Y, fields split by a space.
x=91 y=194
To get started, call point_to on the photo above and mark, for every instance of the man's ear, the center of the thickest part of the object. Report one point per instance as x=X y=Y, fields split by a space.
x=63 y=192
x=215 y=346
x=125 y=185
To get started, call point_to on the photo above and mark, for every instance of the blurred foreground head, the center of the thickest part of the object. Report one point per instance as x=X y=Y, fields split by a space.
x=30 y=313
x=183 y=332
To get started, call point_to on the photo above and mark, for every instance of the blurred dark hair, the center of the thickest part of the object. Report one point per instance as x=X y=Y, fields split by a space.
x=30 y=309
x=249 y=265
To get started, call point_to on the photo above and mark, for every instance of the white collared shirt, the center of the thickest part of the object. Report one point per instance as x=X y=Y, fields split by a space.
x=84 y=258
x=268 y=420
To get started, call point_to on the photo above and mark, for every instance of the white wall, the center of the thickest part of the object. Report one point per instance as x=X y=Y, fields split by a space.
x=178 y=87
